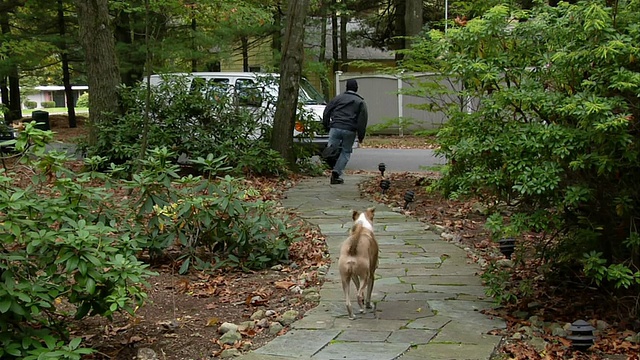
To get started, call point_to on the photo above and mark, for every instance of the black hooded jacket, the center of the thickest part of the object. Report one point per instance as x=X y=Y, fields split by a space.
x=347 y=111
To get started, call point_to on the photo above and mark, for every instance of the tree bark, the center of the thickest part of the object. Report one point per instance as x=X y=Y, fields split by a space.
x=12 y=101
x=194 y=48
x=245 y=53
x=412 y=19
x=323 y=49
x=334 y=36
x=276 y=38
x=64 y=57
x=400 y=30
x=96 y=36
x=290 y=73
x=344 y=56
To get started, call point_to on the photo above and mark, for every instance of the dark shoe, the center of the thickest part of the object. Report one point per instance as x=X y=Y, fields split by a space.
x=335 y=178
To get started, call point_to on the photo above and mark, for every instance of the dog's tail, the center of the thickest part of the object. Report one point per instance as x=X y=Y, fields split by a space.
x=356 y=229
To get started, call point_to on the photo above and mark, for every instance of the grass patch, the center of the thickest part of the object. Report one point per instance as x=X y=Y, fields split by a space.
x=55 y=110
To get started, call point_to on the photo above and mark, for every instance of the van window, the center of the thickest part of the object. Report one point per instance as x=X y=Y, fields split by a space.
x=309 y=95
x=217 y=88
x=248 y=93
x=198 y=86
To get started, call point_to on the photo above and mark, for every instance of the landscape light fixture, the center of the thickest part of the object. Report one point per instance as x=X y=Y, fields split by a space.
x=408 y=198
x=385 y=185
x=507 y=246
x=581 y=335
x=382 y=167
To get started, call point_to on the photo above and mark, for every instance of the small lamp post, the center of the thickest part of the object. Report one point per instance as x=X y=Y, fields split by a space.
x=385 y=185
x=507 y=246
x=382 y=167
x=581 y=335
x=408 y=198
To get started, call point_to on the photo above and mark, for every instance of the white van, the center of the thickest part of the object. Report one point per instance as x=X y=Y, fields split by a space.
x=260 y=90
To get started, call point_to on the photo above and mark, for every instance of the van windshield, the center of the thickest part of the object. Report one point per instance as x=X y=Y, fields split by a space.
x=309 y=95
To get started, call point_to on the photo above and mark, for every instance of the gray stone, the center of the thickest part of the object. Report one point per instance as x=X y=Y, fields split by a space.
x=430 y=323
x=535 y=321
x=444 y=351
x=275 y=328
x=363 y=336
x=412 y=336
x=269 y=313
x=361 y=351
x=557 y=330
x=298 y=343
x=146 y=354
x=246 y=325
x=601 y=325
x=465 y=333
x=258 y=315
x=526 y=330
x=226 y=327
x=402 y=310
x=230 y=353
x=369 y=324
x=538 y=343
x=634 y=339
x=289 y=317
x=314 y=320
x=230 y=337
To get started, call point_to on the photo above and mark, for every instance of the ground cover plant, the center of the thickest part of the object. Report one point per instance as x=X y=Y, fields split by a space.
x=82 y=244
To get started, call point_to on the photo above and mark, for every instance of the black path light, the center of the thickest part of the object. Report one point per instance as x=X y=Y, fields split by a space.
x=408 y=198
x=581 y=335
x=382 y=167
x=507 y=246
x=385 y=185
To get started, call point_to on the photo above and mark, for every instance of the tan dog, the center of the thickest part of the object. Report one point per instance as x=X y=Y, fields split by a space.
x=358 y=260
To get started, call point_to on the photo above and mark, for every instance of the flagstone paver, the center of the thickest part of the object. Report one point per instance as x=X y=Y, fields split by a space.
x=428 y=298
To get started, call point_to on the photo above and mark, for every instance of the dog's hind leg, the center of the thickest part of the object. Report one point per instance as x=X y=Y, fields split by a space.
x=361 y=294
x=346 y=287
x=367 y=299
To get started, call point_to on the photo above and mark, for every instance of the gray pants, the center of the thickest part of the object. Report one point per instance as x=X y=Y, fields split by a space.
x=344 y=139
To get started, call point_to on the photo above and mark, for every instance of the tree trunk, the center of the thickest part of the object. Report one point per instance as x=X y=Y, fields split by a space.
x=344 y=56
x=96 y=36
x=334 y=36
x=276 y=38
x=412 y=19
x=245 y=53
x=12 y=101
x=323 y=49
x=4 y=94
x=194 y=60
x=290 y=73
x=400 y=30
x=66 y=77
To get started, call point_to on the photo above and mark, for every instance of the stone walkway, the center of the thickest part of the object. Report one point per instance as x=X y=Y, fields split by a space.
x=428 y=298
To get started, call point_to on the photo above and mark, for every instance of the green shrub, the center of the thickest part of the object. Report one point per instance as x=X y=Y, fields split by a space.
x=217 y=223
x=190 y=124
x=554 y=138
x=30 y=104
x=83 y=100
x=48 y=104
x=66 y=251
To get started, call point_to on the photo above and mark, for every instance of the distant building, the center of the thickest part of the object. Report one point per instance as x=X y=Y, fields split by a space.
x=54 y=93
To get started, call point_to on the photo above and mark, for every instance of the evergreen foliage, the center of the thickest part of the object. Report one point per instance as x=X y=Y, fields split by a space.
x=546 y=128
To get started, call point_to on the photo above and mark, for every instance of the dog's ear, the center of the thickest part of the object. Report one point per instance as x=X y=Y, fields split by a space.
x=371 y=211
x=354 y=215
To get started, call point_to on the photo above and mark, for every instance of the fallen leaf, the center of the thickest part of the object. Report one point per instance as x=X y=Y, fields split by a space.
x=212 y=322
x=286 y=285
